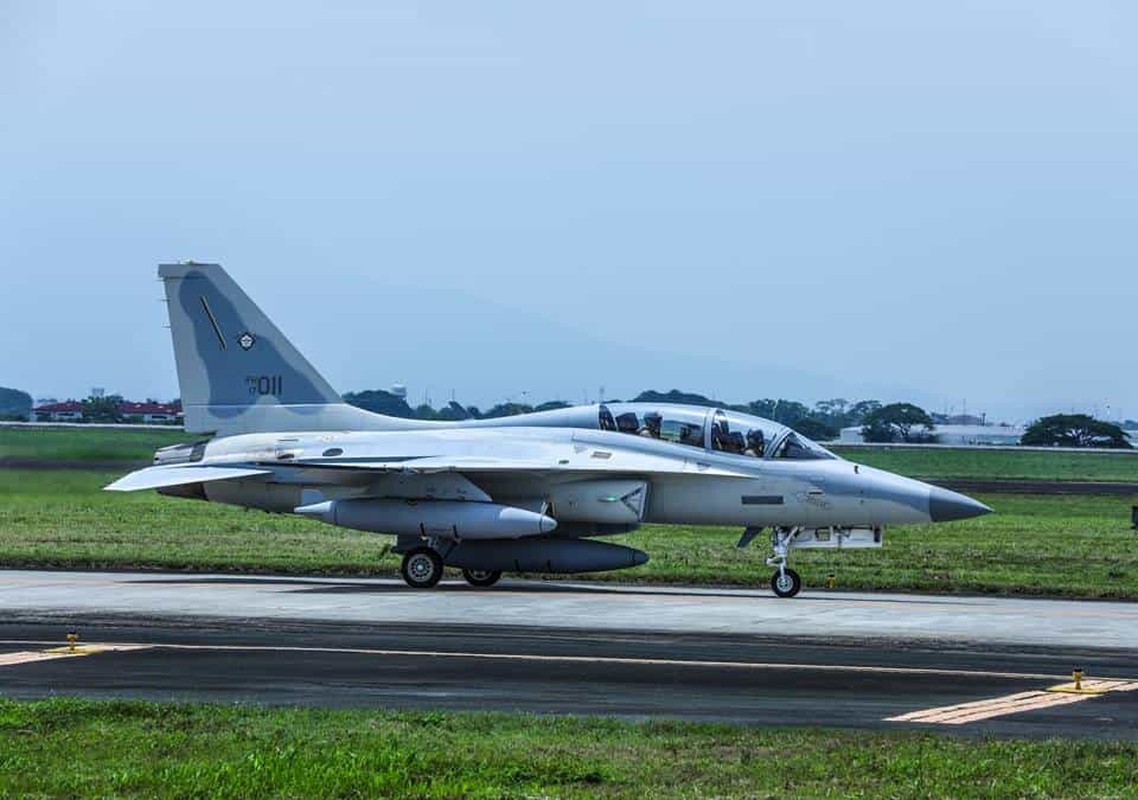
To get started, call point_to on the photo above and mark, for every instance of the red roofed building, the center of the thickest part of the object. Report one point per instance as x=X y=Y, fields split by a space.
x=148 y=412
x=70 y=411
x=152 y=412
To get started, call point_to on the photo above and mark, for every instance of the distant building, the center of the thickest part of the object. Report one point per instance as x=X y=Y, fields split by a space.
x=153 y=413
x=69 y=411
x=958 y=419
x=957 y=434
x=147 y=412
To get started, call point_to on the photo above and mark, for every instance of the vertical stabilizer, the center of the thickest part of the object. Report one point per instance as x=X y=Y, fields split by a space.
x=236 y=371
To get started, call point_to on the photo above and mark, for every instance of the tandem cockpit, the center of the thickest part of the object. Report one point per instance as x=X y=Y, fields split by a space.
x=712 y=429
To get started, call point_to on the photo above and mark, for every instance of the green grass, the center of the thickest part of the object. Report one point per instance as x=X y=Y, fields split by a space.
x=1072 y=545
x=74 y=748
x=86 y=444
x=935 y=462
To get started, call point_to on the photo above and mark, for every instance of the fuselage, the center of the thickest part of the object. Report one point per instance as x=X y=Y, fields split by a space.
x=686 y=485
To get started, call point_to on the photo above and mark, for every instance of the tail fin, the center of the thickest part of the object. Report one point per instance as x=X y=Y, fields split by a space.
x=237 y=372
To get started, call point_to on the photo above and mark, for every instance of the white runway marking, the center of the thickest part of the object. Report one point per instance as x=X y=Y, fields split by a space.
x=1014 y=703
x=34 y=656
x=959 y=714
x=614 y=660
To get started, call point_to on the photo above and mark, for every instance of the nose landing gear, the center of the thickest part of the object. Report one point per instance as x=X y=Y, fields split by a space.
x=785 y=582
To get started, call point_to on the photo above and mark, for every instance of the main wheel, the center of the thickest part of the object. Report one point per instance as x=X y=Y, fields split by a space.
x=422 y=568
x=481 y=577
x=786 y=583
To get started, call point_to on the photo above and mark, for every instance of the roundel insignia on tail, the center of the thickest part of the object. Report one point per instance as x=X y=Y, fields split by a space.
x=246 y=340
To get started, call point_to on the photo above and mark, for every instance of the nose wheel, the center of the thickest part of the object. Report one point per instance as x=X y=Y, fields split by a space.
x=786 y=583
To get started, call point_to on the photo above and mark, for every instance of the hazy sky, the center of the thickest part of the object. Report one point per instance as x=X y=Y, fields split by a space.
x=929 y=202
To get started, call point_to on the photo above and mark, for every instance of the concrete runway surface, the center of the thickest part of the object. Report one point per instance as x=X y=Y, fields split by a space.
x=960 y=664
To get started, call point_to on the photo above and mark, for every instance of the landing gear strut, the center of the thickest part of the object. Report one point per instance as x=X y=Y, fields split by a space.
x=785 y=582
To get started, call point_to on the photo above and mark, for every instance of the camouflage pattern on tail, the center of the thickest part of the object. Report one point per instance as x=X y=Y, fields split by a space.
x=237 y=372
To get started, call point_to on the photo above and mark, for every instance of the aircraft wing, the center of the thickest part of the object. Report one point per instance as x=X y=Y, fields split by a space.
x=584 y=460
x=179 y=474
x=589 y=461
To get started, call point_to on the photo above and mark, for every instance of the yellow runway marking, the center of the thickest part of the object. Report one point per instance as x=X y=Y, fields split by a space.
x=1014 y=703
x=1096 y=686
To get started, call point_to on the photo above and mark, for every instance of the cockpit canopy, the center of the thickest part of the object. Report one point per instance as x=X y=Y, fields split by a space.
x=711 y=429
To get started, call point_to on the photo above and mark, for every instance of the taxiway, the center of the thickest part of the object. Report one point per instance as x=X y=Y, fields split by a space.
x=965 y=664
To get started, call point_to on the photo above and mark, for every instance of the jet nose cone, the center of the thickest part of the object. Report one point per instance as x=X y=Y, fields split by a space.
x=946 y=506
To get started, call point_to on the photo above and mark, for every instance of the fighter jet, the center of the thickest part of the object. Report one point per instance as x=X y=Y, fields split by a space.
x=532 y=493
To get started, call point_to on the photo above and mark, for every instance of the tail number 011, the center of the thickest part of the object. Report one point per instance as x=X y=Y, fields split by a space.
x=263 y=385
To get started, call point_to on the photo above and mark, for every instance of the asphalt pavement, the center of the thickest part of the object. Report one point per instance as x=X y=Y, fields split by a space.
x=711 y=655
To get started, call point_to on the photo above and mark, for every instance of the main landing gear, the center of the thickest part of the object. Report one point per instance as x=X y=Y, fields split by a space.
x=423 y=567
x=785 y=582
x=481 y=577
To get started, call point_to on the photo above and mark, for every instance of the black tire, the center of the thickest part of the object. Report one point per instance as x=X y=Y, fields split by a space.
x=481 y=577
x=788 y=586
x=422 y=568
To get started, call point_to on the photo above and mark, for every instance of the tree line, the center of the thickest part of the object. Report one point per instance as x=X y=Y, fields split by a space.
x=822 y=421
x=892 y=422
x=879 y=422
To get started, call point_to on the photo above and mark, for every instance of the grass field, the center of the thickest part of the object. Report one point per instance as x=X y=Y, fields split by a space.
x=1075 y=545
x=73 y=748
x=996 y=464
x=86 y=444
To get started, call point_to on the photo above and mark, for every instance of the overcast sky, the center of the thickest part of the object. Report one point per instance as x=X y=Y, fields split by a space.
x=928 y=202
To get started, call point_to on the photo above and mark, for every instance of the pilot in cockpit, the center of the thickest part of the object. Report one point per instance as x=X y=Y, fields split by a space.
x=725 y=439
x=756 y=444
x=651 y=426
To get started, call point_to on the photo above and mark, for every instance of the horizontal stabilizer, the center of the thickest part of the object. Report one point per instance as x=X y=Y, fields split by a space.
x=177 y=475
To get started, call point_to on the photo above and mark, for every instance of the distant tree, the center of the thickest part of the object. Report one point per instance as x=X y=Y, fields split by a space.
x=761 y=408
x=832 y=408
x=856 y=414
x=897 y=422
x=452 y=411
x=424 y=411
x=791 y=412
x=1075 y=430
x=551 y=405
x=673 y=396
x=788 y=412
x=103 y=409
x=507 y=410
x=15 y=404
x=380 y=402
x=817 y=429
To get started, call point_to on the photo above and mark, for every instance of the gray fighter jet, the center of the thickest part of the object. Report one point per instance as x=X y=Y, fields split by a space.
x=530 y=493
